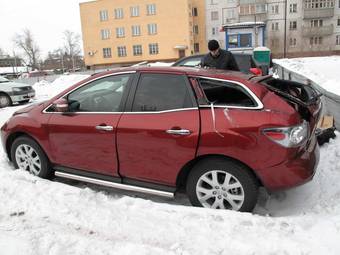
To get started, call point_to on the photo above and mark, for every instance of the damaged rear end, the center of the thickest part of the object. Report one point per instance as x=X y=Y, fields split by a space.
x=303 y=98
x=299 y=138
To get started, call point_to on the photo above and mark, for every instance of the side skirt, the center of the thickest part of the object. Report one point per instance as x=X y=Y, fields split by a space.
x=115 y=182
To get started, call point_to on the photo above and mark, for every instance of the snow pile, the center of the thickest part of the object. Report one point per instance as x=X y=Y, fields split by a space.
x=160 y=64
x=322 y=70
x=45 y=90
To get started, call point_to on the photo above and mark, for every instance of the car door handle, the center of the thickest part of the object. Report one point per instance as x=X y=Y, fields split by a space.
x=178 y=132
x=104 y=128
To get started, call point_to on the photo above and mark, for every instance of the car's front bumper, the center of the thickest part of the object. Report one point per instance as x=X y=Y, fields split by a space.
x=22 y=96
x=293 y=172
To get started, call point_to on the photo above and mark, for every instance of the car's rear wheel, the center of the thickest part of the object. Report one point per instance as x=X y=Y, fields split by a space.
x=5 y=100
x=28 y=155
x=222 y=184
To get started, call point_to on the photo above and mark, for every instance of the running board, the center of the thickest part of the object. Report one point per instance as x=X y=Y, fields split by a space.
x=115 y=185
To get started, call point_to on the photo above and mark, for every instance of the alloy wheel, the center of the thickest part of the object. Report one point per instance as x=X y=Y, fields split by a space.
x=28 y=159
x=220 y=190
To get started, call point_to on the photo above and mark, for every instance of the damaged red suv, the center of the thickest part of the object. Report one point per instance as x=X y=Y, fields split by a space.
x=217 y=135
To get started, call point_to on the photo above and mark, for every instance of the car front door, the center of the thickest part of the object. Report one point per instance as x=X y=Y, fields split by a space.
x=85 y=137
x=160 y=133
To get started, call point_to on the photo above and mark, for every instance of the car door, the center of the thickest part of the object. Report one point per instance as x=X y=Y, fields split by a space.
x=85 y=137
x=160 y=133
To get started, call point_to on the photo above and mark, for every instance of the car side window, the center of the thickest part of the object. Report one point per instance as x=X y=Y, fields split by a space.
x=226 y=93
x=161 y=92
x=103 y=95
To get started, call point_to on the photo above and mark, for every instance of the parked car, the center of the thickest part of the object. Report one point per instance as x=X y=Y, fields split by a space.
x=218 y=135
x=244 y=60
x=14 y=92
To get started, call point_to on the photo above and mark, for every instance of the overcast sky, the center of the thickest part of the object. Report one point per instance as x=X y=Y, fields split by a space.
x=46 y=19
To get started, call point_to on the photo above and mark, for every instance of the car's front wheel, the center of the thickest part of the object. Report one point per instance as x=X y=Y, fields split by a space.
x=28 y=155
x=222 y=184
x=5 y=100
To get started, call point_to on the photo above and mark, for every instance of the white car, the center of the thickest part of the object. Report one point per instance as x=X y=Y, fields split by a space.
x=14 y=92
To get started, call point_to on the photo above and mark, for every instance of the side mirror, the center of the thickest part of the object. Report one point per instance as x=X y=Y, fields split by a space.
x=257 y=71
x=61 y=105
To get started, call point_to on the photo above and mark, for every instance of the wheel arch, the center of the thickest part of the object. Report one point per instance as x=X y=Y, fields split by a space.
x=14 y=136
x=186 y=169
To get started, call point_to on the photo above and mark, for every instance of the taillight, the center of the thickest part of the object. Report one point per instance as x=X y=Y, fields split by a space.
x=288 y=136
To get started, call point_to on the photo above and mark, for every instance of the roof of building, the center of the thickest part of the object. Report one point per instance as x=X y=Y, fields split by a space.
x=245 y=25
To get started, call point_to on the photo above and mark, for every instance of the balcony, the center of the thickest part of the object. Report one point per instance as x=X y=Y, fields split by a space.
x=317 y=31
x=314 y=13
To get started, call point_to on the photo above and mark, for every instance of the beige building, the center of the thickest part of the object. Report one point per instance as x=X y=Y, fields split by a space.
x=123 y=32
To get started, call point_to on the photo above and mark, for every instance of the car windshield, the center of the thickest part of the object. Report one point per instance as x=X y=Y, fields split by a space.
x=3 y=79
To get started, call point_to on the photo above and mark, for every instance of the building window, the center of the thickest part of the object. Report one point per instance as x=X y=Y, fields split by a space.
x=194 y=12
x=316 y=40
x=292 y=25
x=293 y=8
x=121 y=51
x=214 y=15
x=215 y=31
x=338 y=23
x=275 y=43
x=316 y=23
x=195 y=29
x=275 y=9
x=196 y=47
x=275 y=26
x=105 y=33
x=136 y=31
x=103 y=15
x=107 y=53
x=292 y=42
x=120 y=32
x=337 y=41
x=319 y=4
x=151 y=9
x=153 y=48
x=119 y=14
x=137 y=50
x=134 y=11
x=152 y=29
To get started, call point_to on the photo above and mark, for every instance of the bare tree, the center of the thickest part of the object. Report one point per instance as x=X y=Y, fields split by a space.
x=72 y=45
x=31 y=50
x=2 y=52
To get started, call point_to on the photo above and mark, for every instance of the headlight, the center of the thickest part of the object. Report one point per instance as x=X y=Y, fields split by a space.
x=16 y=89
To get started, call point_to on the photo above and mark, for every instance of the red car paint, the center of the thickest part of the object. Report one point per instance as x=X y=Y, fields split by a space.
x=140 y=149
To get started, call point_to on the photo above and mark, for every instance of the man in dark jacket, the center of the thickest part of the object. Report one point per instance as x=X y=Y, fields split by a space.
x=218 y=58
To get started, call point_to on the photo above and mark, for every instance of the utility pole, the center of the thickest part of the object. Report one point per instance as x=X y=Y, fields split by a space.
x=285 y=32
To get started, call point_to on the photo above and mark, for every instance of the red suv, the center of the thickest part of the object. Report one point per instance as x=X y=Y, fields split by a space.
x=218 y=135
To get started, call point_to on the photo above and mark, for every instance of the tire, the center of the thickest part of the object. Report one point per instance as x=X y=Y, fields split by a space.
x=28 y=155
x=5 y=100
x=222 y=184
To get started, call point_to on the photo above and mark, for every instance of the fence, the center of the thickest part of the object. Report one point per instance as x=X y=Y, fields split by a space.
x=331 y=102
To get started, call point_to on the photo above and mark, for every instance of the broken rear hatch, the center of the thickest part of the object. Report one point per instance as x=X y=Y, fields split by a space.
x=303 y=98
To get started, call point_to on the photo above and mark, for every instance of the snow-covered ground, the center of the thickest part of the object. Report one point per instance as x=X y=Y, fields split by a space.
x=65 y=217
x=322 y=70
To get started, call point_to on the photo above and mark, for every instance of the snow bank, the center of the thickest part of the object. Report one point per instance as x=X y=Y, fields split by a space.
x=322 y=70
x=45 y=90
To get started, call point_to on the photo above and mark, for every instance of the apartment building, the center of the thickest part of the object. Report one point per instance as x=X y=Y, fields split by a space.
x=124 y=32
x=293 y=27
